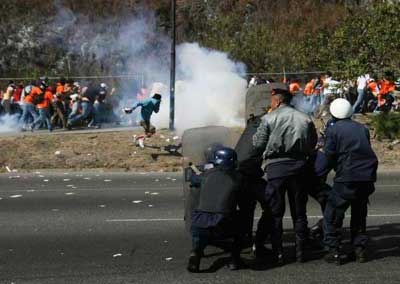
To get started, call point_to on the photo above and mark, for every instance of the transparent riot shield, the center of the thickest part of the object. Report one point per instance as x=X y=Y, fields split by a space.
x=195 y=141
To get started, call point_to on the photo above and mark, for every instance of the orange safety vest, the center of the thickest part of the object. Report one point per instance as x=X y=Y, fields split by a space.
x=309 y=88
x=294 y=87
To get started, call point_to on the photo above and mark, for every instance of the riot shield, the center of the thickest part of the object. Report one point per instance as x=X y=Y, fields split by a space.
x=259 y=97
x=195 y=141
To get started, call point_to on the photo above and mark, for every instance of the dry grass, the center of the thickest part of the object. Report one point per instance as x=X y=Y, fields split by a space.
x=111 y=150
x=116 y=151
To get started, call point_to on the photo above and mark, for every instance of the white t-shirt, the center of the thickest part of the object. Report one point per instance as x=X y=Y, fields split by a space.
x=332 y=86
x=362 y=81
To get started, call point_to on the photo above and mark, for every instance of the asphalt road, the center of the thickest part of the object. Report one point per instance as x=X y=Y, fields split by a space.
x=128 y=228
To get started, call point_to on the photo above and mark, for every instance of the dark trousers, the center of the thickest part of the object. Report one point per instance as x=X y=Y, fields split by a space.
x=253 y=190
x=202 y=237
x=7 y=106
x=275 y=197
x=343 y=196
x=59 y=117
x=319 y=190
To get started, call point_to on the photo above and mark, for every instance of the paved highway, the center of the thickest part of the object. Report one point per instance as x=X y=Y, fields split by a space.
x=127 y=228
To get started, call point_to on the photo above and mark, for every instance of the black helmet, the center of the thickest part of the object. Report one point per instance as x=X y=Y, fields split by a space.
x=209 y=153
x=225 y=157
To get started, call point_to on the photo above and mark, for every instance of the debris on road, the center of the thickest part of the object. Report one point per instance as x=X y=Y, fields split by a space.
x=16 y=196
x=107 y=180
x=69 y=193
x=151 y=205
x=137 y=201
x=8 y=169
x=57 y=153
x=102 y=206
x=168 y=258
x=154 y=193
x=66 y=179
x=117 y=255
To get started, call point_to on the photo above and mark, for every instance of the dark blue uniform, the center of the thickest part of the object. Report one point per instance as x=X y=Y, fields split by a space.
x=215 y=217
x=253 y=189
x=349 y=152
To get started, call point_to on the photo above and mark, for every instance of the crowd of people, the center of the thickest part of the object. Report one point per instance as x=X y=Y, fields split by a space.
x=64 y=104
x=366 y=93
x=280 y=153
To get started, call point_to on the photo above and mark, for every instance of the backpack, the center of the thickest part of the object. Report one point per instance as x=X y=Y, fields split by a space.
x=38 y=99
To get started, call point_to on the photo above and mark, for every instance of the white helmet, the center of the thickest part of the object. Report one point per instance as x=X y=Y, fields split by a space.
x=341 y=109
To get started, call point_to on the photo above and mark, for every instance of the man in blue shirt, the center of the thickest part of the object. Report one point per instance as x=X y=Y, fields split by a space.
x=147 y=108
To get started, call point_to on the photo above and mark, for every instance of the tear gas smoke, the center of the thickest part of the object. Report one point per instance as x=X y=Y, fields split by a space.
x=209 y=89
x=9 y=123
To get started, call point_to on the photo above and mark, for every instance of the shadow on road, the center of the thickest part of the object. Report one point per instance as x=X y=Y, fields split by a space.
x=384 y=242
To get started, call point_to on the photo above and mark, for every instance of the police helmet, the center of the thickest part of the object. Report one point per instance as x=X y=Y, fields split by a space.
x=225 y=157
x=341 y=109
x=210 y=151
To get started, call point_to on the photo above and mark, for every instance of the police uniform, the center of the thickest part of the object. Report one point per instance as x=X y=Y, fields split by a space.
x=349 y=152
x=287 y=137
x=253 y=189
x=215 y=217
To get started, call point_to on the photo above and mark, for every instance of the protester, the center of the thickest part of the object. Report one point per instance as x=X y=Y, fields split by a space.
x=43 y=102
x=294 y=87
x=86 y=104
x=385 y=97
x=362 y=82
x=7 y=96
x=147 y=108
x=99 y=107
x=287 y=137
x=331 y=89
x=348 y=151
x=29 y=113
x=59 y=110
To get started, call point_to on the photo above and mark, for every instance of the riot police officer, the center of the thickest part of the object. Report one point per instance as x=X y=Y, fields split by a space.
x=287 y=137
x=215 y=216
x=349 y=152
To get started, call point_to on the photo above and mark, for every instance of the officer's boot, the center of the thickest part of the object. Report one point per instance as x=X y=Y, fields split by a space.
x=316 y=231
x=300 y=251
x=333 y=256
x=277 y=256
x=194 y=262
x=360 y=254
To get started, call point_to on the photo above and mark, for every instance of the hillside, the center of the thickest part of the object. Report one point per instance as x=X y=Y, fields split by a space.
x=98 y=37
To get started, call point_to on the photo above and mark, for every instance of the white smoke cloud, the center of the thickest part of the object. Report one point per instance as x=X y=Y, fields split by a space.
x=209 y=91
x=9 y=123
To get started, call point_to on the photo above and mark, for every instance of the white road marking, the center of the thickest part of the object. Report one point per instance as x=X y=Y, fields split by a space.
x=181 y=219
x=16 y=196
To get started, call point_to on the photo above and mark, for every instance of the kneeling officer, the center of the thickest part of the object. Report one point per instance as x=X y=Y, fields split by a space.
x=215 y=217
